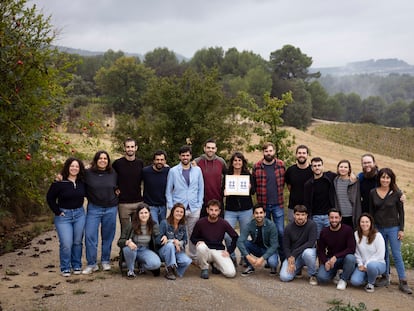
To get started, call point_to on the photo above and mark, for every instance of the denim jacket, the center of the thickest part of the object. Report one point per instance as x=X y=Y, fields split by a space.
x=168 y=230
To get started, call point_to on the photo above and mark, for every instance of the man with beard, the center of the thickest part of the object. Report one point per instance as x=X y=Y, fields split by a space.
x=155 y=181
x=185 y=185
x=299 y=242
x=295 y=178
x=129 y=170
x=262 y=245
x=336 y=248
x=208 y=236
x=269 y=180
x=319 y=194
x=367 y=179
x=214 y=169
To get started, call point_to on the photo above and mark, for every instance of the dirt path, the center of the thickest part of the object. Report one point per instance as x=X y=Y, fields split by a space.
x=38 y=285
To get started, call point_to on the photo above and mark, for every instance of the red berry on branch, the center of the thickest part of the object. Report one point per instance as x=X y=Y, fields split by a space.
x=28 y=157
x=19 y=62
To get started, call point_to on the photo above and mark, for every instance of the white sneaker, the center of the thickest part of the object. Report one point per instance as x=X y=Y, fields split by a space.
x=106 y=267
x=65 y=273
x=341 y=285
x=77 y=271
x=90 y=269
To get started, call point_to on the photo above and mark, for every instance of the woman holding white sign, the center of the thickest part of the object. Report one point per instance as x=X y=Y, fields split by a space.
x=238 y=195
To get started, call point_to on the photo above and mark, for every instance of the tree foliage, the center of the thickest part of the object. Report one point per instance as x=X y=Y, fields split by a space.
x=164 y=62
x=30 y=99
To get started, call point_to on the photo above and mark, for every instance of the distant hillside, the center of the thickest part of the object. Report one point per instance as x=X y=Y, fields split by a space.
x=94 y=53
x=382 y=67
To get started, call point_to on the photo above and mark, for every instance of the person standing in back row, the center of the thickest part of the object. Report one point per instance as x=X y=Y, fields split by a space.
x=214 y=168
x=129 y=170
x=269 y=181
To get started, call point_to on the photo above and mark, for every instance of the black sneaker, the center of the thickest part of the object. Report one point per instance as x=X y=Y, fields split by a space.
x=248 y=271
x=214 y=270
x=273 y=271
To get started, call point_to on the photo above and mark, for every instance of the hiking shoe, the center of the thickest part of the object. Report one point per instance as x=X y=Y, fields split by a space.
x=369 y=288
x=77 y=271
x=383 y=281
x=204 y=274
x=404 y=287
x=106 y=267
x=90 y=269
x=169 y=273
x=248 y=271
x=341 y=285
x=131 y=275
x=65 y=273
x=313 y=280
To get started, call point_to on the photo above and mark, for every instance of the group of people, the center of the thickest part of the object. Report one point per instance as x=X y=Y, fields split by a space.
x=324 y=210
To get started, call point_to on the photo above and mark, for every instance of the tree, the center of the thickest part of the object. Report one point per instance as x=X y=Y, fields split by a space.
x=298 y=113
x=31 y=98
x=372 y=110
x=319 y=100
x=397 y=114
x=123 y=84
x=163 y=61
x=207 y=58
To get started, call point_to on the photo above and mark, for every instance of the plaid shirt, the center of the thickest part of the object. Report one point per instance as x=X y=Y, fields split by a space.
x=259 y=179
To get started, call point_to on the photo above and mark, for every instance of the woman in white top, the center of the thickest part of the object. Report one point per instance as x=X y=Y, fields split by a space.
x=369 y=253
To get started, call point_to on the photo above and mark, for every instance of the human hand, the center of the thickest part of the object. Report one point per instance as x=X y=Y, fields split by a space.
x=225 y=253
x=164 y=240
x=400 y=235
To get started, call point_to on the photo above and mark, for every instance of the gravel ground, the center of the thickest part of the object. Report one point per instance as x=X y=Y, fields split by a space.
x=38 y=286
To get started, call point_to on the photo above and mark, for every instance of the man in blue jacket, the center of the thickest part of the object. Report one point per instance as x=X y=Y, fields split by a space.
x=263 y=244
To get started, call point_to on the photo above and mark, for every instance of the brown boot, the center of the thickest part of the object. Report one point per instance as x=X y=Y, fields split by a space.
x=169 y=273
x=404 y=287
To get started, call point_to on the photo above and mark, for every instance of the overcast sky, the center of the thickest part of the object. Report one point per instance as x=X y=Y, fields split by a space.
x=333 y=33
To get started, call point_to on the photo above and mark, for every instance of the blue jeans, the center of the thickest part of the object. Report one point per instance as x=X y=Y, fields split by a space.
x=307 y=258
x=347 y=264
x=374 y=268
x=243 y=217
x=257 y=251
x=321 y=221
x=278 y=215
x=390 y=236
x=70 y=230
x=148 y=259
x=106 y=217
x=158 y=213
x=171 y=257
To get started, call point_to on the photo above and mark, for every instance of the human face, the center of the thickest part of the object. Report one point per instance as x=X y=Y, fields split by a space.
x=74 y=169
x=317 y=168
x=102 y=162
x=210 y=150
x=385 y=180
x=343 y=169
x=335 y=220
x=259 y=215
x=300 y=218
x=159 y=162
x=213 y=212
x=143 y=216
x=130 y=148
x=269 y=154
x=185 y=158
x=302 y=155
x=178 y=214
x=368 y=164
x=237 y=163
x=365 y=224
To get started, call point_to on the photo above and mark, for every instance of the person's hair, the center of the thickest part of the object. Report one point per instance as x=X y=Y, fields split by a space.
x=129 y=139
x=158 y=153
x=258 y=206
x=94 y=164
x=238 y=155
x=349 y=166
x=300 y=209
x=372 y=231
x=65 y=169
x=335 y=210
x=170 y=218
x=368 y=155
x=136 y=222
x=210 y=140
x=185 y=149
x=214 y=202
x=317 y=159
x=267 y=145
x=302 y=147
x=390 y=173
